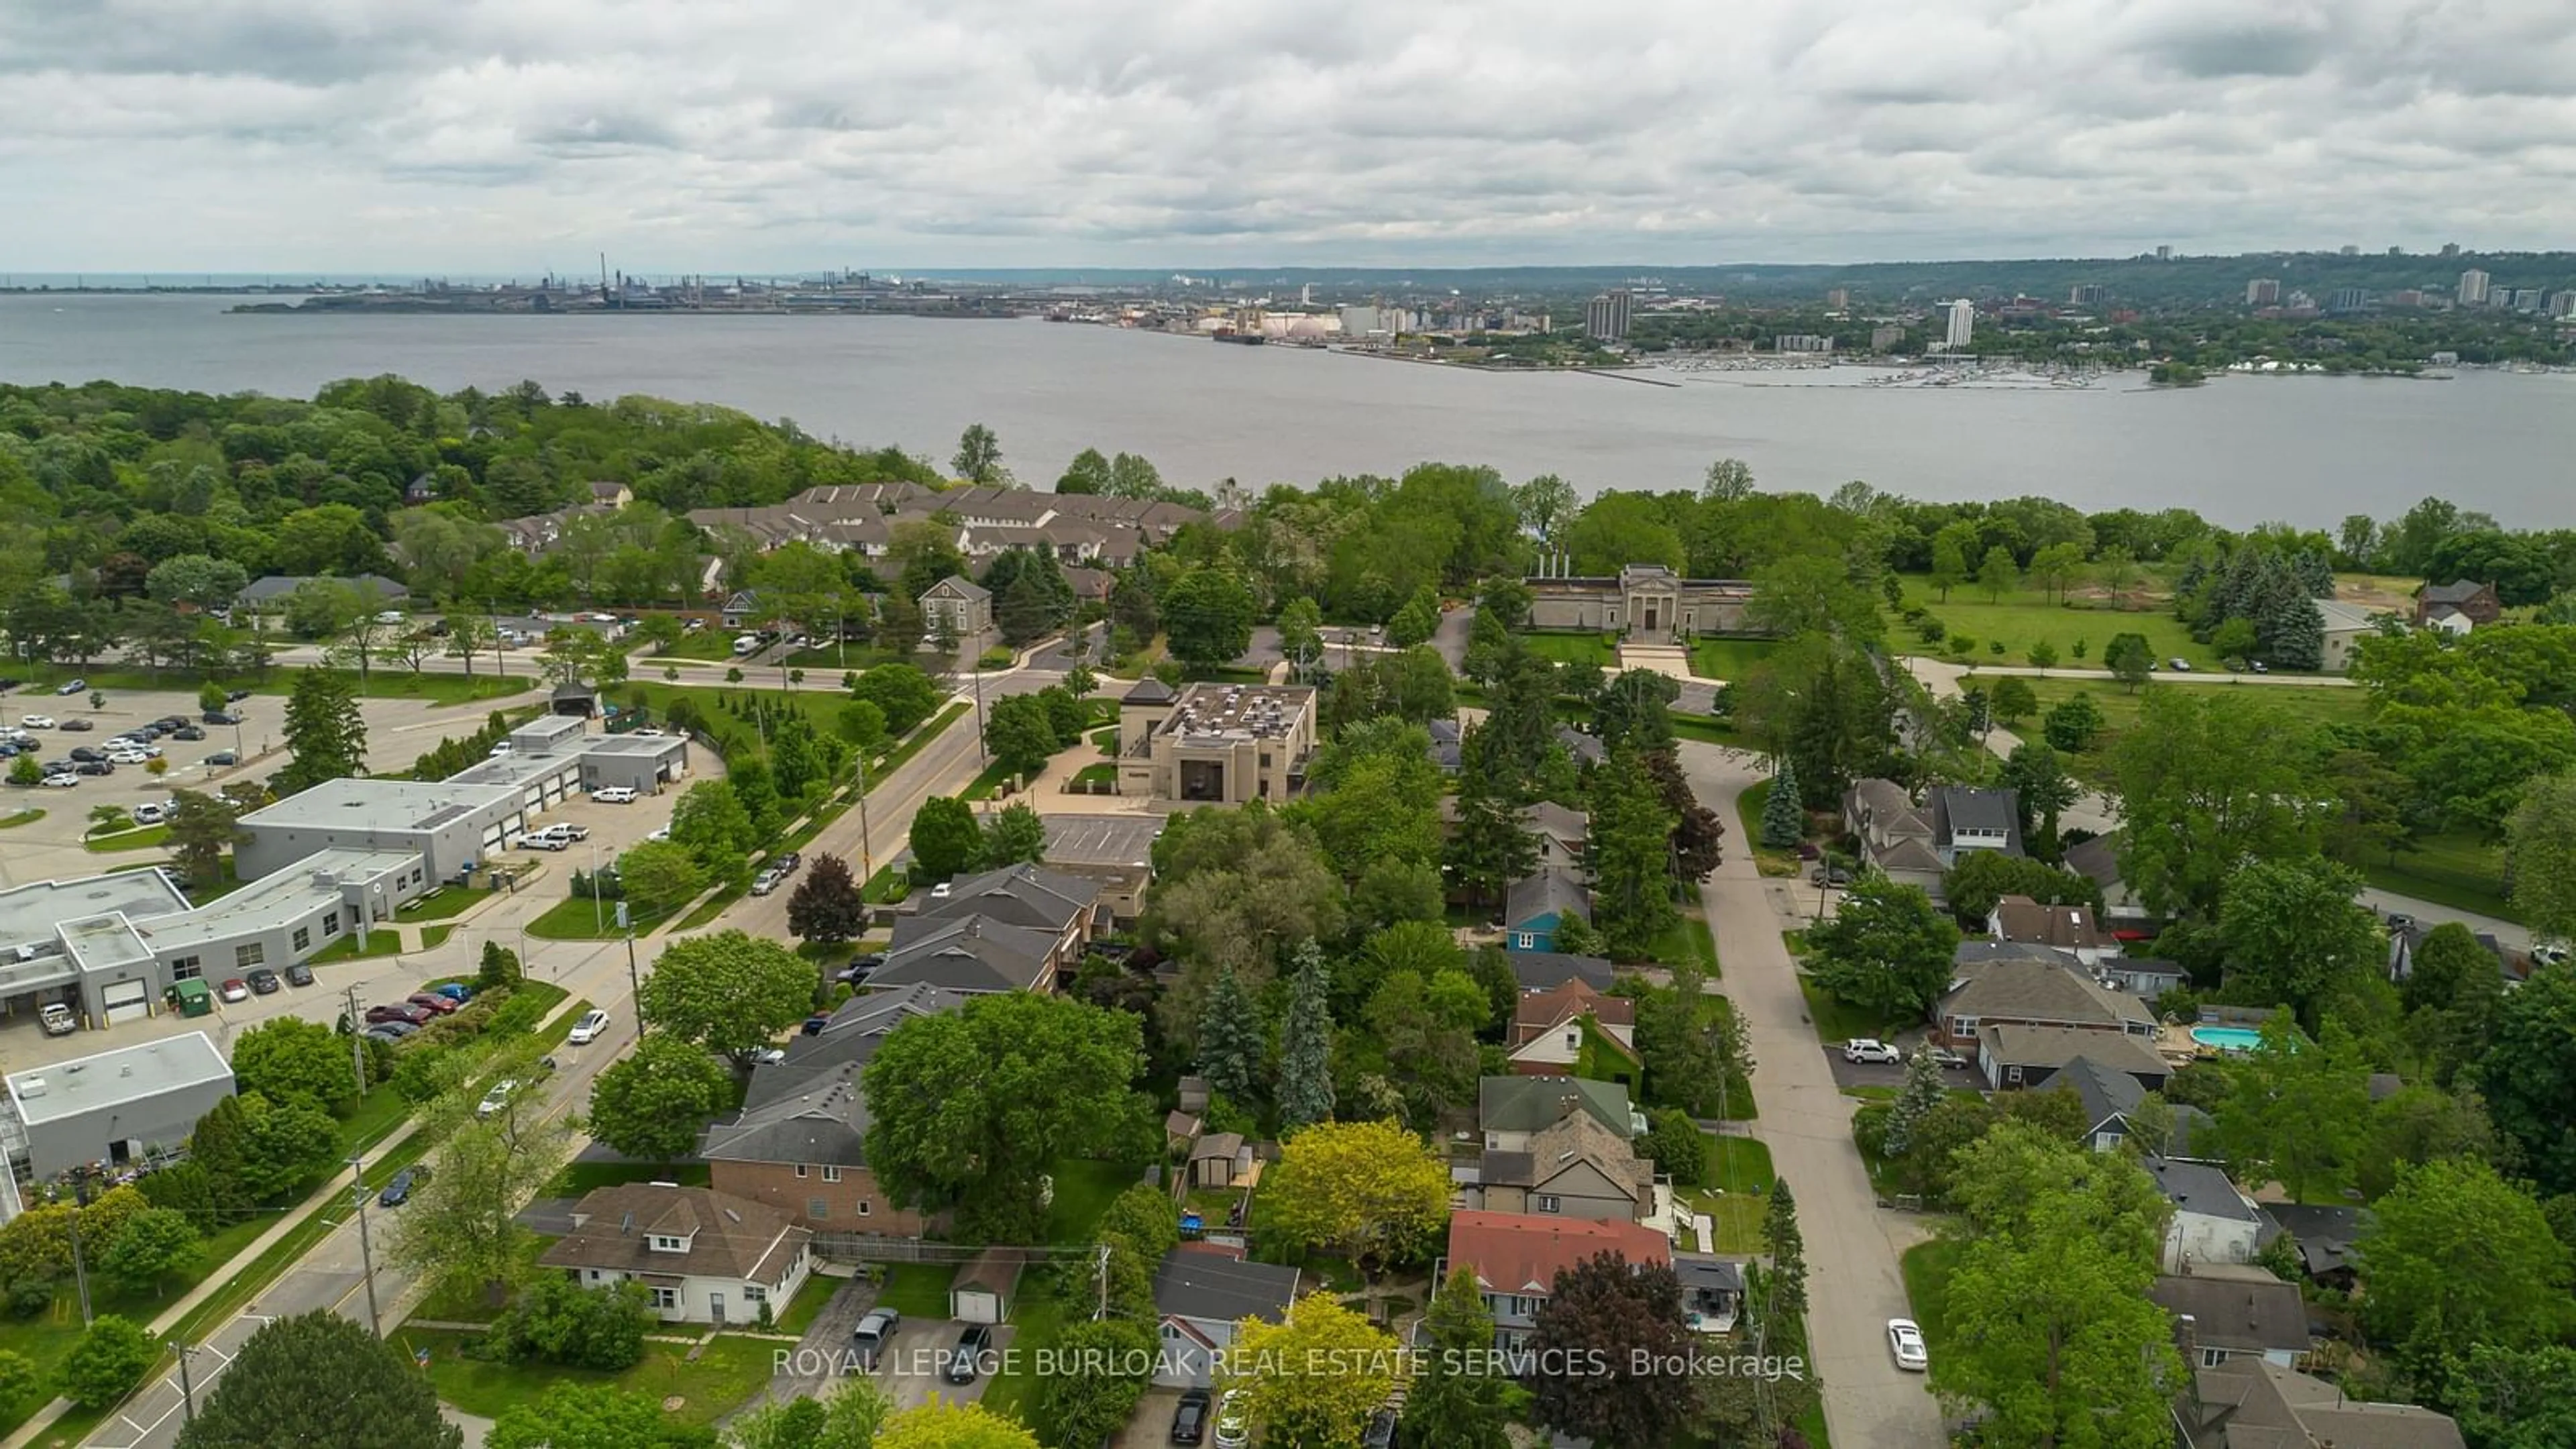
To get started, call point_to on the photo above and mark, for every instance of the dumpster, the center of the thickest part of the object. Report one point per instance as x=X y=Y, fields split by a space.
x=194 y=998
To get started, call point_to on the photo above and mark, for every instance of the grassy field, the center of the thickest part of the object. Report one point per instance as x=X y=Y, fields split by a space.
x=710 y=644
x=1689 y=940
x=1574 y=648
x=918 y=1290
x=433 y=937
x=574 y=919
x=1728 y=659
x=726 y=1372
x=987 y=784
x=2456 y=870
x=444 y=903
x=1748 y=821
x=2309 y=706
x=1834 y=1021
x=386 y=680
x=148 y=837
x=1740 y=1164
x=2024 y=617
x=382 y=941
x=1083 y=1189
x=1927 y=1268
x=15 y=819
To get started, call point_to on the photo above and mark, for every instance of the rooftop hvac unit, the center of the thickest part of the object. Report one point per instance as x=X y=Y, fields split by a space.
x=31 y=1086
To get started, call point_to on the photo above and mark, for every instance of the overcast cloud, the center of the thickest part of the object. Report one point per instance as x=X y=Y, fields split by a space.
x=468 y=136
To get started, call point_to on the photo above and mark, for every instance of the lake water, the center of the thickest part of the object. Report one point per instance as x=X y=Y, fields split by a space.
x=2241 y=450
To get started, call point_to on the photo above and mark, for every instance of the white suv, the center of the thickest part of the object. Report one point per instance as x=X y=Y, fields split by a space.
x=549 y=838
x=1865 y=1049
x=614 y=795
x=587 y=1030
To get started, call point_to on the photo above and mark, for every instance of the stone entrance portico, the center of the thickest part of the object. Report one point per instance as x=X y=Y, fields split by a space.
x=1645 y=602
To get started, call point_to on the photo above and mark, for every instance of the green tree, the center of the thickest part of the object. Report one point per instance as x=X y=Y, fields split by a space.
x=156 y=1245
x=968 y=1107
x=1449 y=1402
x=2296 y=1111
x=979 y=456
x=901 y=692
x=460 y=1232
x=2049 y=1325
x=716 y=826
x=2204 y=782
x=1306 y=1044
x=1627 y=846
x=2234 y=639
x=1230 y=1041
x=2013 y=700
x=25 y=771
x=109 y=1360
x=1887 y=949
x=946 y=841
x=1371 y=1190
x=295 y=1062
x=575 y=1415
x=1488 y=848
x=729 y=993
x=558 y=1321
x=1950 y=549
x=1997 y=573
x=659 y=876
x=1207 y=617
x=2042 y=790
x=1087 y=473
x=1020 y=733
x=202 y=828
x=1983 y=877
x=2130 y=658
x=848 y=1418
x=2294 y=935
x=317 y=1381
x=653 y=1102
x=2528 y=1074
x=2072 y=725
x=2057 y=567
x=2456 y=1255
x=1677 y=1145
x=497 y=967
x=2042 y=655
x=2540 y=853
x=1014 y=835
x=324 y=731
x=1301 y=637
x=1315 y=1377
x=1417 y=621
x=1784 y=823
x=1923 y=1091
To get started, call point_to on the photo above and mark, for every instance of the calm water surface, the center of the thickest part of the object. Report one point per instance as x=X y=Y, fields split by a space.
x=2241 y=450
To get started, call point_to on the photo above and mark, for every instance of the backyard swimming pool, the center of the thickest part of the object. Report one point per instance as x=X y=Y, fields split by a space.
x=2228 y=1038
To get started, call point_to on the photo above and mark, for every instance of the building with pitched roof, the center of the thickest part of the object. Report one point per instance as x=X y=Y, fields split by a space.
x=1513 y=1110
x=1966 y=819
x=704 y=1256
x=1574 y=1030
x=963 y=606
x=2110 y=1096
x=2020 y=1058
x=2213 y=1221
x=2022 y=984
x=2071 y=929
x=1575 y=1168
x=1895 y=835
x=1544 y=970
x=2220 y=1317
x=1516 y=1259
x=1539 y=903
x=2247 y=1403
x=1202 y=1295
x=2457 y=606
x=1020 y=928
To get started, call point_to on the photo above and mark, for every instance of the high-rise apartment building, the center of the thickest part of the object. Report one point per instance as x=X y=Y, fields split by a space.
x=2084 y=294
x=1838 y=299
x=2263 y=292
x=1963 y=324
x=2473 y=288
x=1606 y=318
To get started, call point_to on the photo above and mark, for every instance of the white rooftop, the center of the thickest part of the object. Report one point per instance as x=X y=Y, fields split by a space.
x=66 y=1089
x=278 y=897
x=380 y=803
x=29 y=913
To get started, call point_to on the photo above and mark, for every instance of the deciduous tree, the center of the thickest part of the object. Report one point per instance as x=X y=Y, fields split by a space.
x=314 y=1381
x=596 y=1416
x=946 y=841
x=825 y=907
x=1624 y=1322
x=2295 y=936
x=155 y=1245
x=1207 y=617
x=659 y=876
x=293 y=1061
x=1371 y=1190
x=109 y=1360
x=2205 y=782
x=653 y=1102
x=1014 y=835
x=2455 y=1255
x=730 y=993
x=1315 y=1376
x=2540 y=848
x=1887 y=949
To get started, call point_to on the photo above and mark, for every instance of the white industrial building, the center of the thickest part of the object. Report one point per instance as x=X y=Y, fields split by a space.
x=115 y=1107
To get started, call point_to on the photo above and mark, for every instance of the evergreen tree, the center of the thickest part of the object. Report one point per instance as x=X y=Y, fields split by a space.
x=2292 y=631
x=1788 y=1251
x=1921 y=1093
x=1451 y=1404
x=1306 y=1044
x=1417 y=621
x=1629 y=844
x=2041 y=790
x=1488 y=850
x=324 y=731
x=2315 y=573
x=1230 y=1041
x=1783 y=822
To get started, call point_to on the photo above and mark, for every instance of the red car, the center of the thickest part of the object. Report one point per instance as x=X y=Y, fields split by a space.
x=406 y=1013
x=432 y=1002
x=234 y=990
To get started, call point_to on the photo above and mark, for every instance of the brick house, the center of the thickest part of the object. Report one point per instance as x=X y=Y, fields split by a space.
x=2437 y=604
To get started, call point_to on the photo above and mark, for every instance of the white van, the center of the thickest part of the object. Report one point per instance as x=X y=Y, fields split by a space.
x=746 y=644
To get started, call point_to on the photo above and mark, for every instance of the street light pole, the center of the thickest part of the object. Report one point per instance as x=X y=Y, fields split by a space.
x=597 y=909
x=366 y=1249
x=867 y=859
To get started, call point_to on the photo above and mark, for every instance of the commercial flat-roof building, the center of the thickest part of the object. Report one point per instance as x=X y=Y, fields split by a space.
x=116 y=1106
x=1216 y=743
x=451 y=825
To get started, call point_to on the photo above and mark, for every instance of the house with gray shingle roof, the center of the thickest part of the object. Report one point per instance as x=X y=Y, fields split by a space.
x=1539 y=903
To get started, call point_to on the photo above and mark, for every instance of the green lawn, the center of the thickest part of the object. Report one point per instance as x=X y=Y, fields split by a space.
x=1728 y=659
x=711 y=644
x=1575 y=648
x=726 y=1373
x=1834 y=1021
x=433 y=937
x=2024 y=617
x=577 y=918
x=150 y=837
x=1927 y=1268
x=28 y=816
x=1083 y=1190
x=2308 y=706
x=1689 y=940
x=473 y=1304
x=386 y=680
x=987 y=784
x=1748 y=823
x=1734 y=1219
x=829 y=659
x=918 y=1290
x=2456 y=870
x=1094 y=777
x=382 y=941
x=1740 y=1164
x=1709 y=731
x=443 y=903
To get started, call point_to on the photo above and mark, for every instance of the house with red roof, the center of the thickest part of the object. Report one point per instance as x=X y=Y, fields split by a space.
x=1516 y=1259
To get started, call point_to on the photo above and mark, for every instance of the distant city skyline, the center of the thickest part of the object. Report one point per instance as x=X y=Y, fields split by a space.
x=395 y=136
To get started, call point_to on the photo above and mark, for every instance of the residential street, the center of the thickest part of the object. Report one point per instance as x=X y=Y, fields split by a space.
x=1853 y=1286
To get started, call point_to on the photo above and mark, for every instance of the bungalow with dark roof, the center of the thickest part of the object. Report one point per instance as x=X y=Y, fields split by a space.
x=1020 y=928
x=2213 y=1220
x=2246 y=1403
x=1546 y=970
x=2110 y=1097
x=1202 y=1295
x=2033 y=989
x=702 y=1256
x=1539 y=903
x=2072 y=929
x=1966 y=820
x=2221 y=1316
x=2324 y=1236
x=2019 y=1058
x=2098 y=860
x=2458 y=606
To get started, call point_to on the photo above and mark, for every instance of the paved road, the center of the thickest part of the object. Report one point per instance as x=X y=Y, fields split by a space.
x=2167 y=676
x=1852 y=1245
x=330 y=1275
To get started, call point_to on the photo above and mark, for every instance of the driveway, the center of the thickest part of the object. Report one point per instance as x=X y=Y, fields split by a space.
x=915 y=1370
x=824 y=1353
x=1853 y=1285
x=1151 y=1427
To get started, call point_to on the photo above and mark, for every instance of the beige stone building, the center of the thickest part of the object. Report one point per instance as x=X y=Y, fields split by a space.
x=1645 y=602
x=1217 y=744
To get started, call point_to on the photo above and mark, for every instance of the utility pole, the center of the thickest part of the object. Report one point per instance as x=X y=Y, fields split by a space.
x=187 y=1390
x=366 y=1249
x=634 y=985
x=867 y=859
x=357 y=1039
x=80 y=1266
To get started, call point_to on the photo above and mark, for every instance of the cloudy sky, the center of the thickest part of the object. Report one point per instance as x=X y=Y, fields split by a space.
x=512 y=136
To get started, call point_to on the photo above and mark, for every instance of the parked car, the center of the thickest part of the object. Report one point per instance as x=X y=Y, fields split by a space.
x=148 y=814
x=222 y=758
x=768 y=1056
x=874 y=1332
x=264 y=981
x=71 y=686
x=219 y=716
x=94 y=767
x=59 y=780
x=128 y=757
x=433 y=1002
x=569 y=831
x=539 y=840
x=235 y=989
x=187 y=732
x=1829 y=875
x=35 y=721
x=502 y=750
x=1948 y=1058
x=389 y=1031
x=84 y=754
x=235 y=696
x=614 y=795
x=1906 y=1342
x=1233 y=1423
x=2179 y=665
x=1380 y=1433
x=1190 y=1416
x=405 y=1013
x=497 y=1098
x=456 y=991
x=966 y=1360
x=1864 y=1049
x=299 y=974
x=587 y=1030
x=814 y=1024
x=664 y=833
x=765 y=882
x=787 y=864
x=398 y=1191
x=57 y=1019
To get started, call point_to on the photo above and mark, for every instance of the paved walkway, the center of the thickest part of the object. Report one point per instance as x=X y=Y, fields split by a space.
x=1852 y=1245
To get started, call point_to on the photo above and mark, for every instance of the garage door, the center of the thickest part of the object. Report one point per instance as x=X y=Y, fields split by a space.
x=128 y=1001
